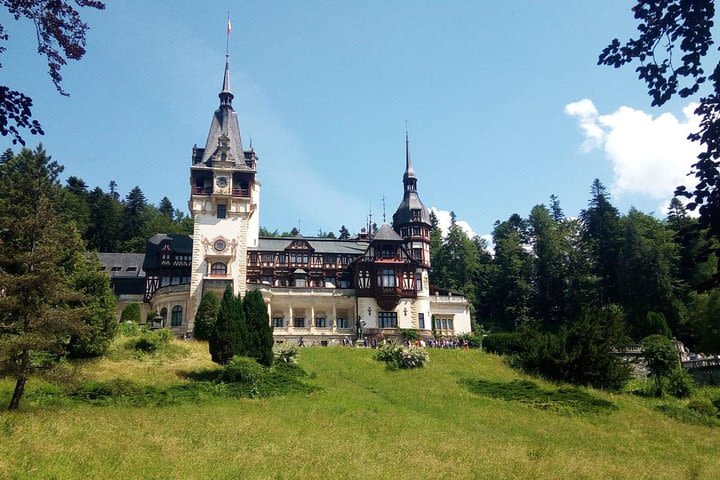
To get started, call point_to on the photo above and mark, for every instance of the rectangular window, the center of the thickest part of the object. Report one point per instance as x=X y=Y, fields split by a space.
x=387 y=319
x=387 y=277
x=444 y=322
x=342 y=322
x=344 y=283
x=277 y=322
x=299 y=258
x=421 y=320
x=320 y=322
x=417 y=253
x=267 y=278
x=300 y=282
x=281 y=258
x=221 y=210
x=418 y=282
x=267 y=257
x=416 y=231
x=299 y=322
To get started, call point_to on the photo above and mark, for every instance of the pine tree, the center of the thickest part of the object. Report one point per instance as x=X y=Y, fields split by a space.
x=601 y=230
x=38 y=249
x=229 y=333
x=133 y=209
x=344 y=234
x=646 y=271
x=166 y=208
x=99 y=303
x=259 y=340
x=206 y=316
x=105 y=221
x=551 y=250
x=513 y=267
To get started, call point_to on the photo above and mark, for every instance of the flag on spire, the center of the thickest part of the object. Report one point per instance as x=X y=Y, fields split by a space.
x=229 y=26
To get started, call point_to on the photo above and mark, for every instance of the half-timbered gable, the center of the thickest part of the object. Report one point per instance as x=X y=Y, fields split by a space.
x=386 y=271
x=304 y=262
x=167 y=262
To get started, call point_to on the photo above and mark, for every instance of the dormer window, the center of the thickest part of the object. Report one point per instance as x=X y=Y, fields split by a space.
x=387 y=251
x=415 y=214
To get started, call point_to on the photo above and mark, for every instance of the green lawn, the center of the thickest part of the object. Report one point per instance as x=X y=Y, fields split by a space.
x=363 y=422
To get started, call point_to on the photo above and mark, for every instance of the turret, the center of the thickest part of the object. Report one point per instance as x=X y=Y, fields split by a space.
x=412 y=219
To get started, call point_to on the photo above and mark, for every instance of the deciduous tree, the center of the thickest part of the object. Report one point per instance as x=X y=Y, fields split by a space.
x=674 y=39
x=61 y=37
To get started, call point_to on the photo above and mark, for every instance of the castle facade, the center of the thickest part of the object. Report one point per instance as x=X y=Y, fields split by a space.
x=317 y=289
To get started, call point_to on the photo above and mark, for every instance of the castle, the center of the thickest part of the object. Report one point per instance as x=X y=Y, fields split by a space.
x=317 y=289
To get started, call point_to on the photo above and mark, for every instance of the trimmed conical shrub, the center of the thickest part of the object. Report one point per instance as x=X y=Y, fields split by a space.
x=259 y=340
x=206 y=316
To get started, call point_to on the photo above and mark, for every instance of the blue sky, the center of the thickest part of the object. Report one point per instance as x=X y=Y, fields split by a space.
x=504 y=102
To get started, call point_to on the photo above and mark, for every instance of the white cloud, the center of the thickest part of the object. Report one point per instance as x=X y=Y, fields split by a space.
x=444 y=222
x=650 y=155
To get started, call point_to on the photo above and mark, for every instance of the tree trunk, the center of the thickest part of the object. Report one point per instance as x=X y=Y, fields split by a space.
x=20 y=384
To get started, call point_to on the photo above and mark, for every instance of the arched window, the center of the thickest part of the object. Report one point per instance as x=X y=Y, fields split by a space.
x=218 y=268
x=163 y=313
x=176 y=320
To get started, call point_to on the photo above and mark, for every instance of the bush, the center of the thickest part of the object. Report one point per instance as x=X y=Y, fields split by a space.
x=241 y=370
x=581 y=353
x=131 y=313
x=505 y=343
x=409 y=334
x=474 y=339
x=680 y=383
x=661 y=357
x=703 y=406
x=150 y=341
x=286 y=353
x=129 y=329
x=397 y=356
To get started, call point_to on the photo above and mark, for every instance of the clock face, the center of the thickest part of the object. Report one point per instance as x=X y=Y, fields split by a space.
x=222 y=182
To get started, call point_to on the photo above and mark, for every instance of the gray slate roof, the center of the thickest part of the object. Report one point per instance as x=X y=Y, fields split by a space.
x=123 y=261
x=387 y=233
x=410 y=201
x=225 y=122
x=320 y=245
x=182 y=244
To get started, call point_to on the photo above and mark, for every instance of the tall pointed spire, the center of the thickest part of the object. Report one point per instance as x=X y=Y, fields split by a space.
x=226 y=95
x=409 y=171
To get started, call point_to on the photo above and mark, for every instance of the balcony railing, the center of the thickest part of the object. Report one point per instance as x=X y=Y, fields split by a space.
x=241 y=192
x=202 y=190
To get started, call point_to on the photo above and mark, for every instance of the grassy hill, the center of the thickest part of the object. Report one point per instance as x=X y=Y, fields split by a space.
x=363 y=421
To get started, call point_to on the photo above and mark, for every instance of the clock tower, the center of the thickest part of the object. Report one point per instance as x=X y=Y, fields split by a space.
x=224 y=203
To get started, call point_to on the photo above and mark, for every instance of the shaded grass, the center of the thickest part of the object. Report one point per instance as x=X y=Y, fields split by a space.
x=563 y=400
x=687 y=415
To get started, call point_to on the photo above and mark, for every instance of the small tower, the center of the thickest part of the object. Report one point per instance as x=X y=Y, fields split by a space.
x=224 y=204
x=412 y=219
x=412 y=222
